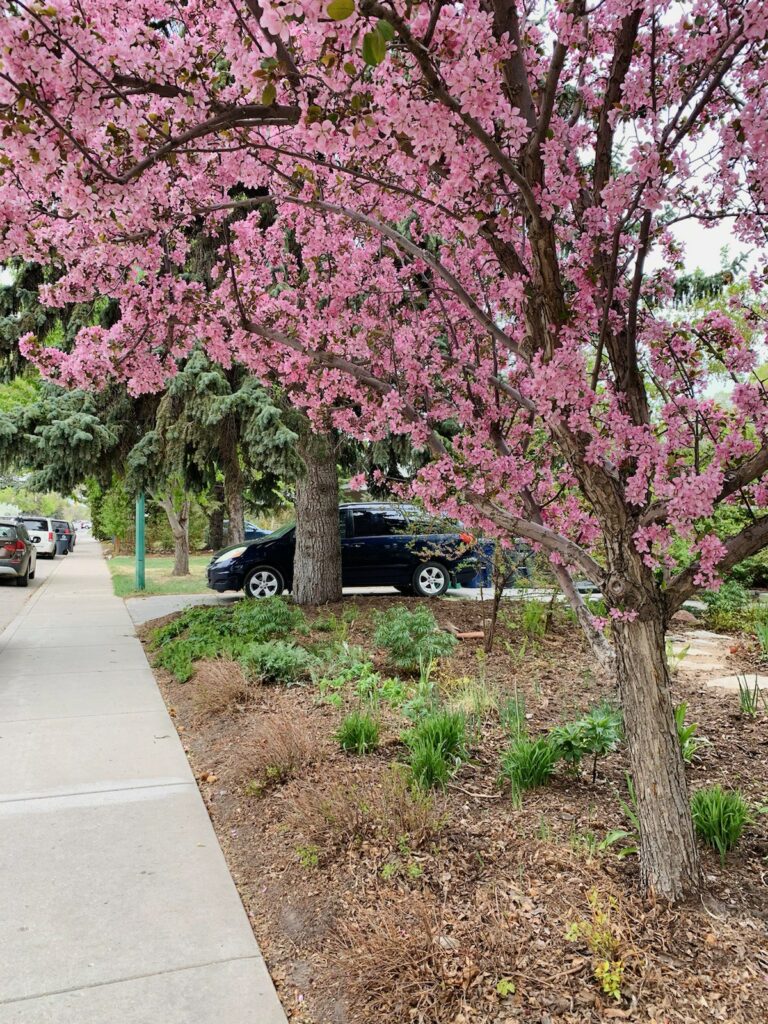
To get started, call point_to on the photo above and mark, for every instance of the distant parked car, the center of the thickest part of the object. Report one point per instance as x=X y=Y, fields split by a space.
x=43 y=534
x=381 y=545
x=252 y=531
x=18 y=555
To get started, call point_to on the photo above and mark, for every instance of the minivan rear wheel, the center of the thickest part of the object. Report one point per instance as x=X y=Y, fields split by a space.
x=263 y=581
x=431 y=579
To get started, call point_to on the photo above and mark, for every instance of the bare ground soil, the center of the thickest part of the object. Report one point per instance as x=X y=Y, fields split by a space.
x=463 y=916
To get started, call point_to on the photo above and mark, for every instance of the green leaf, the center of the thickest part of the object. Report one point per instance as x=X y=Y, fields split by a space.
x=340 y=10
x=374 y=48
x=385 y=30
x=269 y=95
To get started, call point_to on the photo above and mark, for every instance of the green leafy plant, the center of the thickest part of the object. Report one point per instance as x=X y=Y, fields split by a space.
x=528 y=763
x=598 y=733
x=437 y=745
x=198 y=633
x=533 y=618
x=412 y=638
x=571 y=743
x=309 y=855
x=602 y=937
x=276 y=661
x=603 y=732
x=628 y=837
x=719 y=817
x=750 y=696
x=675 y=658
x=686 y=733
x=358 y=733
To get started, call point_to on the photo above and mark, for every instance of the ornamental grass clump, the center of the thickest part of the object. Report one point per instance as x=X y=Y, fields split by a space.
x=437 y=746
x=528 y=763
x=358 y=733
x=719 y=817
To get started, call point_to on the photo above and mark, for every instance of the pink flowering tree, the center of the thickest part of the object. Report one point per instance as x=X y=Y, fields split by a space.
x=470 y=242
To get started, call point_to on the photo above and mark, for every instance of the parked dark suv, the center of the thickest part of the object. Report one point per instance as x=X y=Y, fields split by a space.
x=18 y=554
x=381 y=545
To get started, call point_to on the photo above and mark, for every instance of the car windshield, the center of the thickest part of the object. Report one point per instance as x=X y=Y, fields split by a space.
x=36 y=524
x=7 y=532
x=282 y=531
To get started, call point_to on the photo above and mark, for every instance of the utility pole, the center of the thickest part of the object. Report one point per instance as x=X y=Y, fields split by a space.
x=140 y=581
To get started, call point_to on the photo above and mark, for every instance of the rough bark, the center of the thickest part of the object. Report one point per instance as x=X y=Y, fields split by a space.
x=179 y=523
x=669 y=863
x=317 y=562
x=233 y=485
x=216 y=518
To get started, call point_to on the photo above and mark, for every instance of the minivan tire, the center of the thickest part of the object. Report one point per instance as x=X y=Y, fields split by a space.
x=263 y=581
x=431 y=579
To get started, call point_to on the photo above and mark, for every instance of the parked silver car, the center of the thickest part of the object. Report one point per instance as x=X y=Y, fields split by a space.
x=18 y=555
x=43 y=534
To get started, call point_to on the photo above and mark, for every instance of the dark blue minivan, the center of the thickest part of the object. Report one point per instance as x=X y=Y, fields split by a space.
x=381 y=545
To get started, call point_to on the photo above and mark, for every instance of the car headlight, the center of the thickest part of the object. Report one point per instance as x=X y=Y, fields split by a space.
x=228 y=556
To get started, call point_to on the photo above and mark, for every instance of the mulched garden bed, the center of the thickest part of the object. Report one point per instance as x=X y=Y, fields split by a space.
x=369 y=907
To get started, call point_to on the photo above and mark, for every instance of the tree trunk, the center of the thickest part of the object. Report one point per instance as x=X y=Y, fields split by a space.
x=233 y=484
x=669 y=863
x=216 y=518
x=179 y=522
x=317 y=562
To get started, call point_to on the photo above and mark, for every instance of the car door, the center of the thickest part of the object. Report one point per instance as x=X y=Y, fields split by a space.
x=378 y=554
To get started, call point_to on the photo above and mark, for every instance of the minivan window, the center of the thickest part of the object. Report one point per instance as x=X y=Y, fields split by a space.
x=380 y=522
x=36 y=524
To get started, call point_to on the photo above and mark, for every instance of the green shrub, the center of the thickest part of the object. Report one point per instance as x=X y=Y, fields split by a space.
x=275 y=661
x=529 y=763
x=570 y=740
x=598 y=733
x=358 y=733
x=267 y=619
x=533 y=619
x=437 y=746
x=197 y=633
x=603 y=732
x=412 y=638
x=727 y=607
x=719 y=817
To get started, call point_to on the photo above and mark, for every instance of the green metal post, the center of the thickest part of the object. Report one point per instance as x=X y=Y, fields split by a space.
x=140 y=582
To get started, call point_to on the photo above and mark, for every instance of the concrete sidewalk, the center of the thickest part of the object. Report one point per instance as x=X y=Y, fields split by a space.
x=117 y=906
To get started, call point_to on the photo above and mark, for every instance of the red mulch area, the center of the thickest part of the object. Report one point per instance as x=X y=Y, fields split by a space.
x=463 y=916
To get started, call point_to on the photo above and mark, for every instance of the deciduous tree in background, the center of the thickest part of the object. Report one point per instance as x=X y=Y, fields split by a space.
x=465 y=200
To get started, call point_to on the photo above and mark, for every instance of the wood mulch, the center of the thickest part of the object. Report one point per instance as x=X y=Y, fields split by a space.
x=469 y=922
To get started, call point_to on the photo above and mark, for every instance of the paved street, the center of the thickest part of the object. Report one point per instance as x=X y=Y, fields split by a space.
x=117 y=904
x=13 y=598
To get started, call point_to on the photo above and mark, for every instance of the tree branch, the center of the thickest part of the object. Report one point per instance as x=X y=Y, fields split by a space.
x=753 y=538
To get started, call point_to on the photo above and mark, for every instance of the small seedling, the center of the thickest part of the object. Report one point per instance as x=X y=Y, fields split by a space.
x=675 y=658
x=686 y=733
x=309 y=856
x=750 y=696
x=600 y=935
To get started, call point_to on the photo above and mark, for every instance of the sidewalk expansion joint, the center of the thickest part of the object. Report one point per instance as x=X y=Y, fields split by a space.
x=132 y=977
